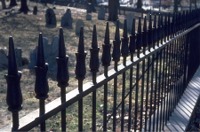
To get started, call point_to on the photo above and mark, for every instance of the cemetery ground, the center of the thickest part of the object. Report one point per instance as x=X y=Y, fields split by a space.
x=25 y=29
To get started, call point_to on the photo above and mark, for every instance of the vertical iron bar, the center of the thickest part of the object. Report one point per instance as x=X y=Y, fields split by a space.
x=80 y=107
x=80 y=72
x=125 y=53
x=132 y=51
x=94 y=67
x=42 y=112
x=41 y=83
x=106 y=59
x=14 y=95
x=62 y=75
x=105 y=101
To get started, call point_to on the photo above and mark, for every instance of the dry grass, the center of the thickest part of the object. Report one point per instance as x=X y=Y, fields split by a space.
x=25 y=30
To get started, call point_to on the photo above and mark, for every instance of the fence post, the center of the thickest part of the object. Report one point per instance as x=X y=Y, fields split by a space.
x=62 y=75
x=80 y=72
x=94 y=67
x=14 y=95
x=41 y=83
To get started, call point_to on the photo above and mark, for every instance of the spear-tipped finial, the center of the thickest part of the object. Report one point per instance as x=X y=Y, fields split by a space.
x=154 y=22
x=107 y=34
x=62 y=50
x=125 y=29
x=94 y=38
x=94 y=59
x=80 y=70
x=139 y=35
x=81 y=42
x=62 y=62
x=117 y=36
x=40 y=52
x=12 y=64
x=133 y=27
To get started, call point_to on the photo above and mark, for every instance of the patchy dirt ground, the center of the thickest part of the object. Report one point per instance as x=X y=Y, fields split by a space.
x=25 y=30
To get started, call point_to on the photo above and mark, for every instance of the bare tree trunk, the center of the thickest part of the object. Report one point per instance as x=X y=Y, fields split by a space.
x=113 y=10
x=139 y=4
x=24 y=7
x=3 y=4
x=12 y=3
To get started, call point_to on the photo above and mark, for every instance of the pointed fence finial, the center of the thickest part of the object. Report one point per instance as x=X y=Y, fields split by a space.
x=81 y=41
x=132 y=44
x=62 y=62
x=61 y=48
x=94 y=59
x=125 y=49
x=40 y=51
x=117 y=35
x=41 y=68
x=116 y=44
x=80 y=70
x=139 y=37
x=154 y=31
x=144 y=34
x=107 y=34
x=106 y=55
x=14 y=95
x=150 y=36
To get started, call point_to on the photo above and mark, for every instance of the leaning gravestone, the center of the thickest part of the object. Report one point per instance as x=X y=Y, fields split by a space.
x=101 y=13
x=3 y=60
x=66 y=20
x=79 y=24
x=129 y=19
x=50 y=18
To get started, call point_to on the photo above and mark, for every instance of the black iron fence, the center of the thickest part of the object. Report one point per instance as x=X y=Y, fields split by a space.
x=151 y=69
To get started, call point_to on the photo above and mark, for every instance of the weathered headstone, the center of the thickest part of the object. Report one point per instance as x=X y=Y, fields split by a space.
x=79 y=24
x=3 y=60
x=50 y=18
x=35 y=10
x=66 y=20
x=101 y=13
x=88 y=16
x=51 y=59
x=129 y=19
x=50 y=54
x=18 y=55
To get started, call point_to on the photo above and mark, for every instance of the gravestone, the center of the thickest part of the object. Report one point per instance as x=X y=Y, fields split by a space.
x=79 y=24
x=3 y=60
x=66 y=20
x=88 y=16
x=50 y=54
x=101 y=13
x=35 y=10
x=51 y=59
x=18 y=55
x=50 y=18
x=129 y=19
